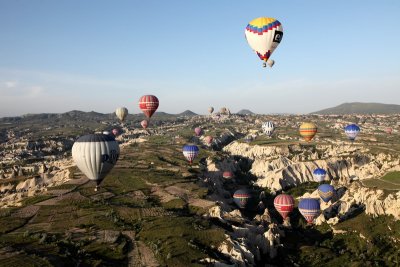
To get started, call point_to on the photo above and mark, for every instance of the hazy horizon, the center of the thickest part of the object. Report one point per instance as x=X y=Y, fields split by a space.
x=72 y=55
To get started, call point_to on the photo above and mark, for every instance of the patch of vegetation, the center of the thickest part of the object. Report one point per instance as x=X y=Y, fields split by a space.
x=180 y=241
x=35 y=199
x=392 y=177
x=174 y=204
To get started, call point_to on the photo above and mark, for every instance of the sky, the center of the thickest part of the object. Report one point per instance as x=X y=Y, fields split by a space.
x=57 y=56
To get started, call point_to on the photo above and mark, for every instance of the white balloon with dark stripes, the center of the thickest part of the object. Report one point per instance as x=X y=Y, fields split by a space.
x=95 y=155
x=268 y=128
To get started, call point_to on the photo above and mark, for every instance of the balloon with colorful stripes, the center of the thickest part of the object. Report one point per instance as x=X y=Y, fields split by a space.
x=268 y=128
x=352 y=130
x=263 y=36
x=308 y=130
x=284 y=204
x=309 y=208
x=319 y=175
x=326 y=192
x=190 y=152
x=241 y=198
x=148 y=104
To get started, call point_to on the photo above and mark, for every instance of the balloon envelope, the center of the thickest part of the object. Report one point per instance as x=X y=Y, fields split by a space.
x=95 y=155
x=198 y=131
x=121 y=113
x=284 y=204
x=326 y=192
x=210 y=110
x=190 y=152
x=352 y=130
x=144 y=124
x=308 y=130
x=209 y=139
x=389 y=130
x=115 y=132
x=268 y=128
x=264 y=35
x=227 y=174
x=319 y=175
x=309 y=208
x=241 y=198
x=148 y=104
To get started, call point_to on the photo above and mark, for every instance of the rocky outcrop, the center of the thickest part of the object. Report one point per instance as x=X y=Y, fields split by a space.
x=278 y=167
x=12 y=193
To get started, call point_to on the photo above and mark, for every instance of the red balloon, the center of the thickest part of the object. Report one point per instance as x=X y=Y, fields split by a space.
x=115 y=132
x=284 y=204
x=389 y=130
x=227 y=174
x=148 y=104
x=144 y=124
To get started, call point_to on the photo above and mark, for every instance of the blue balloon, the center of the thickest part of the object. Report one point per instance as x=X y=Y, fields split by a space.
x=241 y=198
x=190 y=152
x=352 y=131
x=319 y=174
x=326 y=192
x=309 y=208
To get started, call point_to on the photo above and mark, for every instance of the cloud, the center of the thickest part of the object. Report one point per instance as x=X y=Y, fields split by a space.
x=10 y=84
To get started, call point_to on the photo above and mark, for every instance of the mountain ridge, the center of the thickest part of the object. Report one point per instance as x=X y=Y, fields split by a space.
x=360 y=108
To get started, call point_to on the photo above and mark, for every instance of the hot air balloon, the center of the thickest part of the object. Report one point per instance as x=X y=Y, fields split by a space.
x=319 y=175
x=227 y=174
x=326 y=192
x=210 y=110
x=209 y=139
x=95 y=155
x=121 y=113
x=284 y=204
x=309 y=208
x=268 y=128
x=190 y=152
x=389 y=130
x=144 y=124
x=115 y=132
x=148 y=104
x=352 y=131
x=198 y=131
x=308 y=130
x=241 y=198
x=263 y=36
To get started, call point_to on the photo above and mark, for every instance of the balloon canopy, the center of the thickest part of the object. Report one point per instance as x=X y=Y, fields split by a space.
x=241 y=198
x=326 y=192
x=263 y=36
x=352 y=130
x=190 y=152
x=95 y=155
x=308 y=130
x=148 y=104
x=309 y=208
x=284 y=204
x=319 y=175
x=268 y=128
x=121 y=113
